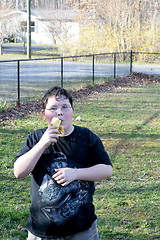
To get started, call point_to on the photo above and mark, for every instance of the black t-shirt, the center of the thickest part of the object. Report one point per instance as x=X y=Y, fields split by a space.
x=55 y=210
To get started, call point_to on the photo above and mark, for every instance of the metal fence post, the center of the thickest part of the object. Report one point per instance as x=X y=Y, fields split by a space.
x=93 y=70
x=61 y=71
x=18 y=81
x=131 y=61
x=114 y=57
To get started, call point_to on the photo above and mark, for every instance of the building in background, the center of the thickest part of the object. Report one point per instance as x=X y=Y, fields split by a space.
x=47 y=26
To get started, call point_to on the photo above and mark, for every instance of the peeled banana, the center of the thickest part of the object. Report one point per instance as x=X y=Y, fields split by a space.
x=56 y=122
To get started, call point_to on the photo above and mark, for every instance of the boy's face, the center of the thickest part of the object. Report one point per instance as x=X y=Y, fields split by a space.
x=61 y=108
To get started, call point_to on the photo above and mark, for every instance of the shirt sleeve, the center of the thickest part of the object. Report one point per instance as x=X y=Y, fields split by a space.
x=31 y=140
x=98 y=154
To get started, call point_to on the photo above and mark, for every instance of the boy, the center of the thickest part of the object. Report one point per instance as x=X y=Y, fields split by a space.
x=64 y=168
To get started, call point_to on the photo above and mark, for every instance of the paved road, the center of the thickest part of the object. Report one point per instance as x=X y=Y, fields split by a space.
x=147 y=69
x=41 y=70
x=20 y=48
x=48 y=69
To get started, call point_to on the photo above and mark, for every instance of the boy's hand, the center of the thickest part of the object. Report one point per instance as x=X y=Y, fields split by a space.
x=64 y=176
x=51 y=135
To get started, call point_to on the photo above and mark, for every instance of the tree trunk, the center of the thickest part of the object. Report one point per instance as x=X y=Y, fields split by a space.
x=1 y=50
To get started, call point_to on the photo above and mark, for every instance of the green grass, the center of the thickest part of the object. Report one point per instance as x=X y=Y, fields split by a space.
x=30 y=90
x=127 y=205
x=34 y=54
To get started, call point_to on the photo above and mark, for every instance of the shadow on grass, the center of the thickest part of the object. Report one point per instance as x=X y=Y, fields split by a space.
x=121 y=236
x=14 y=131
x=108 y=232
x=138 y=190
x=134 y=133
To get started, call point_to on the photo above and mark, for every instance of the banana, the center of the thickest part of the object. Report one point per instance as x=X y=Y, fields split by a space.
x=56 y=122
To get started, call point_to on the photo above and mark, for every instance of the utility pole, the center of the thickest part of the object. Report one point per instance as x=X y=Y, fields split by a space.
x=29 y=29
x=17 y=5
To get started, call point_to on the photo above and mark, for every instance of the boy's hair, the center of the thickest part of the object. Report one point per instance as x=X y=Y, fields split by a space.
x=57 y=92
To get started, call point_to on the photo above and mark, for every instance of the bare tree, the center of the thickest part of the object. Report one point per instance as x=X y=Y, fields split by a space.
x=108 y=25
x=58 y=21
x=128 y=21
x=21 y=4
x=8 y=27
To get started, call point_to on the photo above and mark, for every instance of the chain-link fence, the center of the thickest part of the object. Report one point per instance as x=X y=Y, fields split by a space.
x=24 y=80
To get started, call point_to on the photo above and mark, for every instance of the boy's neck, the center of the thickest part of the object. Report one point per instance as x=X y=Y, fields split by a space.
x=69 y=131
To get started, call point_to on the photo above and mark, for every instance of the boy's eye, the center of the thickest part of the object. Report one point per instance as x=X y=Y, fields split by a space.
x=53 y=108
x=63 y=108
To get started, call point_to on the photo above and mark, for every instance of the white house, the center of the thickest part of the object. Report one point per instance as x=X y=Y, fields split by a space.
x=47 y=27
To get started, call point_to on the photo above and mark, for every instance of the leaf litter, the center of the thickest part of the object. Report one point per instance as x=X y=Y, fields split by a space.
x=24 y=109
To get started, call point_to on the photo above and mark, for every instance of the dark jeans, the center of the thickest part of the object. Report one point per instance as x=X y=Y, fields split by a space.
x=90 y=234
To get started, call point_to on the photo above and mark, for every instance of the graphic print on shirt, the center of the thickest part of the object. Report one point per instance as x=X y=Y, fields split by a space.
x=62 y=203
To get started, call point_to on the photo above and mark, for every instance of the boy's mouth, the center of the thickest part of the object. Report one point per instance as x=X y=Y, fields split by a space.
x=61 y=121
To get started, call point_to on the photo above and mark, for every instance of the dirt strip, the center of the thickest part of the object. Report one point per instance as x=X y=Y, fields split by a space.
x=25 y=109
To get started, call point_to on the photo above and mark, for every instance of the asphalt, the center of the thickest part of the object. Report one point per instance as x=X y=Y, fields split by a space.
x=21 y=48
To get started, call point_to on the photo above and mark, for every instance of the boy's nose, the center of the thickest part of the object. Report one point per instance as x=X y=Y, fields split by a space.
x=59 y=111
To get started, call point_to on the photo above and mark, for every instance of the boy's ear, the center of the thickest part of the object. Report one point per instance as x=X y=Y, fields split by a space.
x=43 y=113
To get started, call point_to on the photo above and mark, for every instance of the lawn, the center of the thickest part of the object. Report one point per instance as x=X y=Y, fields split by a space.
x=127 y=120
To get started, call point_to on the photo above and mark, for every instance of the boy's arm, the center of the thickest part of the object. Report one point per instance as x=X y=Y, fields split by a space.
x=98 y=172
x=25 y=164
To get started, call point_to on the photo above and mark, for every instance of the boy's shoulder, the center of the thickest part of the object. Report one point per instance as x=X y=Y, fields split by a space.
x=82 y=130
x=85 y=132
x=37 y=133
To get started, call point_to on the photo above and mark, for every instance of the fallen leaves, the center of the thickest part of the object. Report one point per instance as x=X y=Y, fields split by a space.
x=24 y=109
